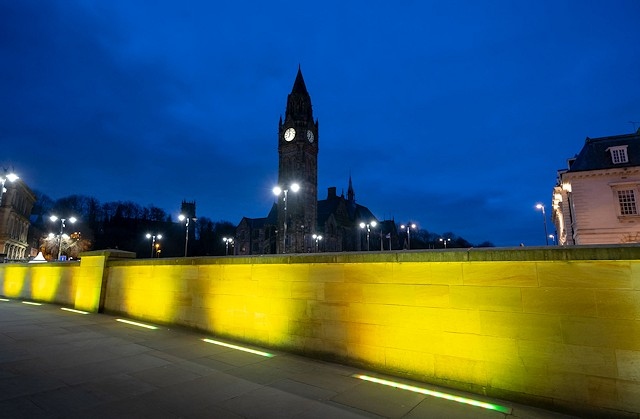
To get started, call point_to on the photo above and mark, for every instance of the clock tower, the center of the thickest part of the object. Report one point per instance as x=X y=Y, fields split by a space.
x=297 y=164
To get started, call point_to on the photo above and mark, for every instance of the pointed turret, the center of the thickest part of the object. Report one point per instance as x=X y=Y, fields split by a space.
x=298 y=85
x=299 y=102
x=351 y=195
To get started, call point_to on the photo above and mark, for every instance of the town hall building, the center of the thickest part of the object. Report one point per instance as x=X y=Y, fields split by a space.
x=298 y=222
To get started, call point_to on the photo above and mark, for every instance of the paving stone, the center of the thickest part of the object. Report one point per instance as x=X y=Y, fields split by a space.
x=55 y=364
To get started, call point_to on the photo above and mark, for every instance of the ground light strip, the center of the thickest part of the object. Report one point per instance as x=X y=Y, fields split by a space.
x=73 y=310
x=438 y=394
x=240 y=348
x=4 y=299
x=31 y=303
x=136 y=324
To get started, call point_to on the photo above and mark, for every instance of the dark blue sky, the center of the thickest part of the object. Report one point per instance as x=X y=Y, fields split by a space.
x=455 y=114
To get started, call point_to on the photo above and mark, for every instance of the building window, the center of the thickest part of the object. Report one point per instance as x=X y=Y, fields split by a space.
x=627 y=201
x=619 y=154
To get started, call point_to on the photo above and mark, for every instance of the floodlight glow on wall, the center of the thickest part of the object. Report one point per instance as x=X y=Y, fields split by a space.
x=438 y=394
x=239 y=348
x=146 y=326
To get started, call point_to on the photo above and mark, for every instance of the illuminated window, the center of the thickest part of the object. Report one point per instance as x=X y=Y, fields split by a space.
x=627 y=201
x=619 y=154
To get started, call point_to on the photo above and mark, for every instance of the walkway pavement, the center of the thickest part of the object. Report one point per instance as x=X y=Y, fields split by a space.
x=56 y=363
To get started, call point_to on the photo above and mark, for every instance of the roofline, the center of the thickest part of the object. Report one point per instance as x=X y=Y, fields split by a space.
x=611 y=137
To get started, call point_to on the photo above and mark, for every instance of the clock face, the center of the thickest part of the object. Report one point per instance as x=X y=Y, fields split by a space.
x=310 y=136
x=289 y=134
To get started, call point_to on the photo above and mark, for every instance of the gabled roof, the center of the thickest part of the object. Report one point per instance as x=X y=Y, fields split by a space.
x=253 y=222
x=257 y=223
x=345 y=214
x=595 y=154
x=363 y=214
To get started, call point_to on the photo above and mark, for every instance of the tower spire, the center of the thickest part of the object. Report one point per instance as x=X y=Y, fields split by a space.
x=351 y=195
x=298 y=163
x=299 y=102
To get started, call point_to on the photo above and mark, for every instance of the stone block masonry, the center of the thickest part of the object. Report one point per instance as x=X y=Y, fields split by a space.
x=555 y=327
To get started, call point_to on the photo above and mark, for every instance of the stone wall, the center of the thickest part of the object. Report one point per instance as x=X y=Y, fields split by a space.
x=557 y=327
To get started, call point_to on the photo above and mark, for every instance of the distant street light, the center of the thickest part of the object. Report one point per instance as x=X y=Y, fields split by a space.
x=317 y=238
x=553 y=239
x=368 y=226
x=227 y=241
x=277 y=190
x=444 y=241
x=408 y=227
x=153 y=238
x=186 y=219
x=53 y=218
x=544 y=218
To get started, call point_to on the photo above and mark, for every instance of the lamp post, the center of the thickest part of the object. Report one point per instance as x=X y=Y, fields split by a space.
x=544 y=219
x=153 y=238
x=277 y=190
x=408 y=227
x=317 y=238
x=553 y=239
x=54 y=218
x=11 y=177
x=444 y=241
x=227 y=241
x=186 y=219
x=368 y=226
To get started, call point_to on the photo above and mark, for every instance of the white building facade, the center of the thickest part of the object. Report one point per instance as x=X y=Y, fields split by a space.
x=596 y=199
x=15 y=208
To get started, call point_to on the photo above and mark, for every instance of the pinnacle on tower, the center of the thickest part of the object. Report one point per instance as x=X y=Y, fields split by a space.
x=299 y=101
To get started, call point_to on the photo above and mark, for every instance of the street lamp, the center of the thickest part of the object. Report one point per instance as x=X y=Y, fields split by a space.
x=408 y=227
x=368 y=226
x=553 y=239
x=182 y=217
x=444 y=241
x=317 y=238
x=277 y=190
x=53 y=218
x=544 y=218
x=153 y=238
x=227 y=241
x=11 y=177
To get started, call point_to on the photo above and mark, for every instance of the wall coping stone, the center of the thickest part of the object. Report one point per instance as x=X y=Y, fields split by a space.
x=485 y=254
x=110 y=254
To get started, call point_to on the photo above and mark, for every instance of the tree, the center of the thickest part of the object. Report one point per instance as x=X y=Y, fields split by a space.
x=72 y=245
x=486 y=244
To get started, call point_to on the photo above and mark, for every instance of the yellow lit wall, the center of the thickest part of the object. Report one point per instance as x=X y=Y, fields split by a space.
x=54 y=282
x=557 y=327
